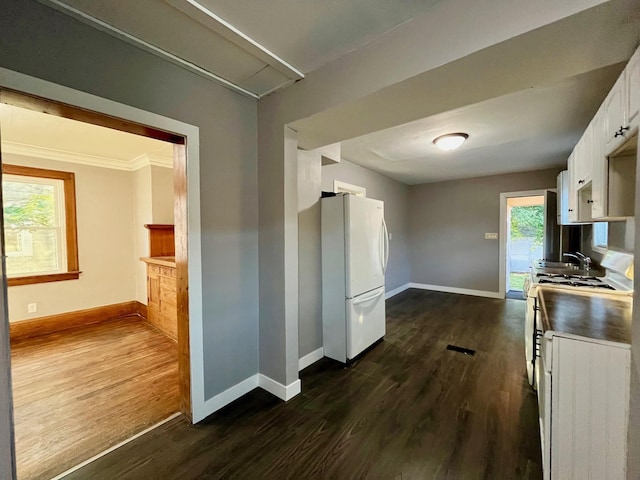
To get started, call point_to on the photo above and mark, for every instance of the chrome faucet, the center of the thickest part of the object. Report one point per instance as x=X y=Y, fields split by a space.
x=583 y=260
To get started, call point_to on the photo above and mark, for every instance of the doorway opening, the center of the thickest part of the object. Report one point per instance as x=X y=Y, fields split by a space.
x=525 y=239
x=111 y=323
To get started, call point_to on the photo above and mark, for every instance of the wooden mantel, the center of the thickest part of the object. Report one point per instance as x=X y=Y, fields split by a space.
x=161 y=240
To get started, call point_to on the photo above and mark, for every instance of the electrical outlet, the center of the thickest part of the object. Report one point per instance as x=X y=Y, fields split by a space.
x=490 y=236
x=32 y=307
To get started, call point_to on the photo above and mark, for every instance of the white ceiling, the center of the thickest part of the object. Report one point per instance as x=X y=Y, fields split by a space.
x=310 y=33
x=527 y=130
x=31 y=133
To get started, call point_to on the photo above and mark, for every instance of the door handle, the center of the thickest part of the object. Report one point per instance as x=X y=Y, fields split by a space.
x=365 y=298
x=386 y=246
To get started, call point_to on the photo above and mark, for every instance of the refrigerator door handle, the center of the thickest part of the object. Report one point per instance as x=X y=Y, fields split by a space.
x=386 y=246
x=371 y=296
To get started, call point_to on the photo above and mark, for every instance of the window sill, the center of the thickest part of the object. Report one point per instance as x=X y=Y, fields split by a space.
x=54 y=277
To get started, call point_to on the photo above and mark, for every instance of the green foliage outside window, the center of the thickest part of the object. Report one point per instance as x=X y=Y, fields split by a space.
x=28 y=205
x=528 y=222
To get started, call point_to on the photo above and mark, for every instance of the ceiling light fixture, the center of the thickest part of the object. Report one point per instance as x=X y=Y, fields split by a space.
x=450 y=141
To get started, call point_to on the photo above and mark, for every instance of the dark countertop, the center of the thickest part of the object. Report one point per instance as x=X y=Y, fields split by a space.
x=598 y=316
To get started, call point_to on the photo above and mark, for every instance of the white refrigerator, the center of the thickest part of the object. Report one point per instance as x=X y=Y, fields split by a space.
x=355 y=252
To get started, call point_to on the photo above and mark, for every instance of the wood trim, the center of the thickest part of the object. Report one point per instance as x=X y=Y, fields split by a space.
x=33 y=279
x=141 y=310
x=161 y=240
x=64 y=321
x=158 y=226
x=182 y=275
x=71 y=225
x=38 y=104
x=8 y=169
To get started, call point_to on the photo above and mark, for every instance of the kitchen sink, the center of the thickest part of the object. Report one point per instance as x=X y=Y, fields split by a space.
x=560 y=265
x=562 y=268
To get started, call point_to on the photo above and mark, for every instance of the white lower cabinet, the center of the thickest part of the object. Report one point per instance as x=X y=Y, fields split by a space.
x=583 y=396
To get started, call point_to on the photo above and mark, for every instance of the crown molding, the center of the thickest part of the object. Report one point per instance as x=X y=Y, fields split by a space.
x=54 y=154
x=151 y=159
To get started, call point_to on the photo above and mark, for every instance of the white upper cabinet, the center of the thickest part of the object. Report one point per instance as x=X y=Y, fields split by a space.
x=599 y=167
x=572 y=203
x=615 y=115
x=583 y=158
x=633 y=90
x=603 y=163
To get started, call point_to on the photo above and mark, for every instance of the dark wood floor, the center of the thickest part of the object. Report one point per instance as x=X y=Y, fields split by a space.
x=409 y=409
x=78 y=392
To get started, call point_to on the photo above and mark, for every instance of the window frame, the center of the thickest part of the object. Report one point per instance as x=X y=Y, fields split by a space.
x=71 y=228
x=594 y=246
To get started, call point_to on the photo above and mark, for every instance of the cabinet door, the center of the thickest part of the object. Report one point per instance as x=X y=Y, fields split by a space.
x=153 y=287
x=633 y=89
x=589 y=395
x=572 y=200
x=583 y=159
x=599 y=168
x=615 y=114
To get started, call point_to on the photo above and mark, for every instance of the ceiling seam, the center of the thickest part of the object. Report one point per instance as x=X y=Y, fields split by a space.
x=245 y=37
x=160 y=52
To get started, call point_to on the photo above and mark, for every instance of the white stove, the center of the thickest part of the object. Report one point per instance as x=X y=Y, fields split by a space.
x=569 y=280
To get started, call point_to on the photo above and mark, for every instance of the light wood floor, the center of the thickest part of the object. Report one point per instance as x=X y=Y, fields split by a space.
x=408 y=409
x=79 y=392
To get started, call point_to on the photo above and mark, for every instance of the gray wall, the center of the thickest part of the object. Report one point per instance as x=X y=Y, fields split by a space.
x=41 y=42
x=447 y=223
x=309 y=253
x=312 y=179
x=340 y=86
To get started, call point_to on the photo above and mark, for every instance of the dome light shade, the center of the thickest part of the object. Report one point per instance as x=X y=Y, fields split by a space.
x=450 y=141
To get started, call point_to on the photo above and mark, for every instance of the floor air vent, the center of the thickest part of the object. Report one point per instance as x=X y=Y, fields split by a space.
x=466 y=351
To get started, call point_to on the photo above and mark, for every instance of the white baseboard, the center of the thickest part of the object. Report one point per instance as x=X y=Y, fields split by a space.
x=284 y=392
x=229 y=395
x=396 y=291
x=310 y=358
x=463 y=291
x=258 y=380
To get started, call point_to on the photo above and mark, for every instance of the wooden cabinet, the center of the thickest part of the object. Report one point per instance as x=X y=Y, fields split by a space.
x=161 y=295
